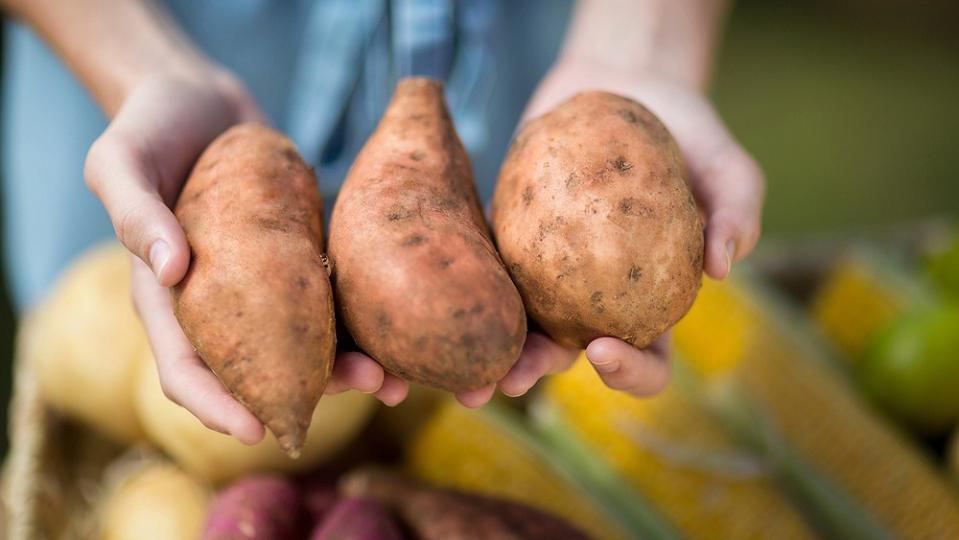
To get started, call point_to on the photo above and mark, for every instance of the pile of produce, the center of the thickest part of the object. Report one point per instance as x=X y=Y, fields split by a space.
x=765 y=432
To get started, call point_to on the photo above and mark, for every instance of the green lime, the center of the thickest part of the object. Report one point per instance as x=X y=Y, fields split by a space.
x=912 y=369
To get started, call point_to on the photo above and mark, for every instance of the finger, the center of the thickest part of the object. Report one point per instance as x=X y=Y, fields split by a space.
x=184 y=377
x=393 y=391
x=476 y=398
x=730 y=186
x=115 y=172
x=540 y=356
x=355 y=371
x=641 y=372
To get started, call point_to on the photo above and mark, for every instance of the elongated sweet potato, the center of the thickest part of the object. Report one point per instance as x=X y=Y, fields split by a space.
x=257 y=302
x=357 y=519
x=263 y=507
x=596 y=223
x=418 y=282
x=441 y=514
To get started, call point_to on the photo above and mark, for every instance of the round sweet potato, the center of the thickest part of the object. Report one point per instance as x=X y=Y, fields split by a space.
x=418 y=282
x=596 y=222
x=257 y=302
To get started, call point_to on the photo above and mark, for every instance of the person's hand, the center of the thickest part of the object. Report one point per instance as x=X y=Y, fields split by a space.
x=728 y=186
x=137 y=167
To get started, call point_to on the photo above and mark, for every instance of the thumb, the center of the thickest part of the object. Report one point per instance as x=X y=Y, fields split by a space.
x=115 y=172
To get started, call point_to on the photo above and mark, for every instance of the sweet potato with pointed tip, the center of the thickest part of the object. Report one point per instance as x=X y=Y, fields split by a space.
x=596 y=222
x=418 y=281
x=257 y=302
x=357 y=519
x=442 y=514
x=260 y=507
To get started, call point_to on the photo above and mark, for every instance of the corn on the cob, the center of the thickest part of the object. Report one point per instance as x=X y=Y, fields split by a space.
x=473 y=451
x=730 y=322
x=863 y=294
x=678 y=455
x=812 y=410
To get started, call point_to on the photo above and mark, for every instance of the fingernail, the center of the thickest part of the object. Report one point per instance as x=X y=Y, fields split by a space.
x=730 y=255
x=605 y=367
x=159 y=257
x=515 y=392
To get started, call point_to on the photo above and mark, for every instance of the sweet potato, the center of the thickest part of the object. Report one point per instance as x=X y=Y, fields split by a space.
x=265 y=507
x=358 y=519
x=595 y=220
x=219 y=458
x=418 y=282
x=319 y=497
x=439 y=514
x=257 y=302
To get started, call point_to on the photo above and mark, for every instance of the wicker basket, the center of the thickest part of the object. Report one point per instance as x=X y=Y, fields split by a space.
x=53 y=470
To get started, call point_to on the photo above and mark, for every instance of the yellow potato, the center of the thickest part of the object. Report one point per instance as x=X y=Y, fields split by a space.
x=336 y=422
x=158 y=500
x=84 y=340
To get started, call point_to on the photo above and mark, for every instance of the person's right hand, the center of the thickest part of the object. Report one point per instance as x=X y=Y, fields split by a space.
x=137 y=168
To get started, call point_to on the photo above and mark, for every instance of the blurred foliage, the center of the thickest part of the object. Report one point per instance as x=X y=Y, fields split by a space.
x=850 y=107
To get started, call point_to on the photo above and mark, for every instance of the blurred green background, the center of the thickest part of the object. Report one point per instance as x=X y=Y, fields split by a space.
x=849 y=105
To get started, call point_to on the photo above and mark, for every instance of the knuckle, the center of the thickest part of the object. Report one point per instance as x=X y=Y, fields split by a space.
x=617 y=380
x=169 y=390
x=93 y=165
x=128 y=224
x=171 y=383
x=656 y=382
x=564 y=361
x=136 y=302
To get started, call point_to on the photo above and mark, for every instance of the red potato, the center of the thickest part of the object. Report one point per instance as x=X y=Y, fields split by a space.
x=265 y=507
x=358 y=519
x=418 y=281
x=319 y=498
x=440 y=514
x=596 y=222
x=257 y=302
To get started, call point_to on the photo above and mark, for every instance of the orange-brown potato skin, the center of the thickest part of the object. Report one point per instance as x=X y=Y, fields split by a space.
x=432 y=513
x=257 y=301
x=419 y=284
x=595 y=220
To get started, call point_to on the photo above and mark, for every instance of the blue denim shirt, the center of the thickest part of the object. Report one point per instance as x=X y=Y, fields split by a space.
x=323 y=71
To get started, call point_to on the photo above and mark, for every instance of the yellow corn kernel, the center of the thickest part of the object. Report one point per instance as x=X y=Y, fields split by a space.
x=678 y=456
x=463 y=449
x=855 y=301
x=729 y=321
x=821 y=417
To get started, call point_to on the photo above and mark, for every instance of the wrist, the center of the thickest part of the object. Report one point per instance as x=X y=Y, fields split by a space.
x=671 y=39
x=592 y=74
x=112 y=45
x=118 y=84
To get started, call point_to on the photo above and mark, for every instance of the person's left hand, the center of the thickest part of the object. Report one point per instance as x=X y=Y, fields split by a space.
x=727 y=184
